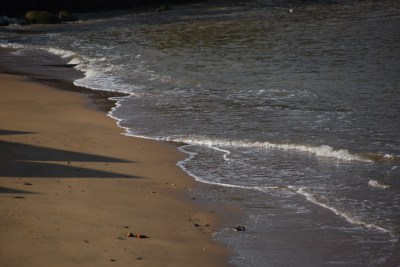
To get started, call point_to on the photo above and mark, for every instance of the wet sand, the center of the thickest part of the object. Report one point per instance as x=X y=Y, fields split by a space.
x=72 y=188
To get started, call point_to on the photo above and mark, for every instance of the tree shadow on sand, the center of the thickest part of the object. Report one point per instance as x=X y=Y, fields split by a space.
x=7 y=190
x=23 y=160
x=10 y=132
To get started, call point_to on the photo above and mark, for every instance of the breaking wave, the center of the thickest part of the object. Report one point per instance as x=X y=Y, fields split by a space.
x=319 y=151
x=376 y=184
x=312 y=198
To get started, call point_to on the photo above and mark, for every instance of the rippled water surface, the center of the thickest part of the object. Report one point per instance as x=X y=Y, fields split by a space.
x=288 y=109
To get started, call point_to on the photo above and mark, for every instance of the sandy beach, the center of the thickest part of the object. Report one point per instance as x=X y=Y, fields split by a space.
x=72 y=188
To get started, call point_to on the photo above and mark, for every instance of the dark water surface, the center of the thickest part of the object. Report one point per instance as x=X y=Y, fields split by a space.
x=290 y=110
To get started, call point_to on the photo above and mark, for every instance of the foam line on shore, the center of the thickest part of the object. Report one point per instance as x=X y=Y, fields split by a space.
x=324 y=151
x=311 y=198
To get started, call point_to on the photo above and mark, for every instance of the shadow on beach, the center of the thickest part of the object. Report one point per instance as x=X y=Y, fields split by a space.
x=25 y=160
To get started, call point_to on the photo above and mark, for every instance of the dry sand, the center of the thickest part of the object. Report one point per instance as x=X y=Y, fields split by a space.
x=72 y=187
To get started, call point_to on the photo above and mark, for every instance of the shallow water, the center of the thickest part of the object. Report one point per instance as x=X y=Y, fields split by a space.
x=290 y=111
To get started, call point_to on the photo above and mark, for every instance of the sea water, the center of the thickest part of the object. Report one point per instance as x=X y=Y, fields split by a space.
x=290 y=110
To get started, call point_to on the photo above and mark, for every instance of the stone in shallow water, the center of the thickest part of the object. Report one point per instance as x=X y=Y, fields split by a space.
x=239 y=228
x=41 y=17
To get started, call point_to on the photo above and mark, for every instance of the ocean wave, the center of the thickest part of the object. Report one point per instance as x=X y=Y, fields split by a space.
x=11 y=45
x=62 y=53
x=289 y=189
x=74 y=58
x=312 y=198
x=319 y=151
x=182 y=163
x=96 y=72
x=376 y=184
x=382 y=157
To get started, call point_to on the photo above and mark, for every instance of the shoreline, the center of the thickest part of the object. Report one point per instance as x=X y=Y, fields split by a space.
x=19 y=8
x=49 y=75
x=62 y=157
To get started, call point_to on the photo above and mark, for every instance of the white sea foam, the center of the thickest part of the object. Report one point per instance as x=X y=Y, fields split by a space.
x=97 y=78
x=95 y=72
x=302 y=191
x=263 y=188
x=11 y=45
x=95 y=69
x=61 y=52
x=182 y=163
x=310 y=197
x=55 y=51
x=391 y=157
x=224 y=151
x=376 y=184
x=319 y=151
